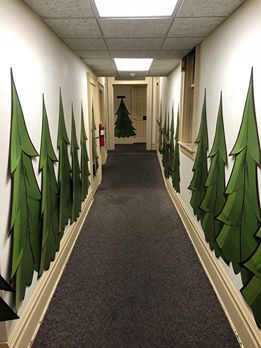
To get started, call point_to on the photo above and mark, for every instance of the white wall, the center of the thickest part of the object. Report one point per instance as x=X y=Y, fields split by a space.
x=41 y=64
x=226 y=58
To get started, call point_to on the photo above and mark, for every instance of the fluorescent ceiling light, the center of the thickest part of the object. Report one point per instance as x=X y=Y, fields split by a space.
x=133 y=64
x=135 y=8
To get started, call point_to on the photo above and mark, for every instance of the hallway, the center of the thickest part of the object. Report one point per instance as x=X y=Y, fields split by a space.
x=134 y=279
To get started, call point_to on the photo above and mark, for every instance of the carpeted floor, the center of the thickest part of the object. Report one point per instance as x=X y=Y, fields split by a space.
x=133 y=279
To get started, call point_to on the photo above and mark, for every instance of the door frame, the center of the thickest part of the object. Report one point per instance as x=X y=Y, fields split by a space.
x=110 y=130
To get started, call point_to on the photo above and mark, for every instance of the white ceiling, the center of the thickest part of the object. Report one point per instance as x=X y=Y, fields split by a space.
x=98 y=40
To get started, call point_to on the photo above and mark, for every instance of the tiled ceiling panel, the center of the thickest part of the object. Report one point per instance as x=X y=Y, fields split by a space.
x=208 y=8
x=135 y=27
x=98 y=40
x=74 y=28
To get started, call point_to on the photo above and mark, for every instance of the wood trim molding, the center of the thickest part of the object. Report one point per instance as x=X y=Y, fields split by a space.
x=32 y=317
x=235 y=308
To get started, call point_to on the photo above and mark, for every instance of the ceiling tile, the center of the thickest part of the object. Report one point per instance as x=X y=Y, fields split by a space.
x=134 y=54
x=104 y=73
x=164 y=63
x=207 y=8
x=194 y=27
x=134 y=44
x=180 y=43
x=159 y=73
x=86 y=44
x=93 y=54
x=99 y=61
x=74 y=28
x=61 y=8
x=137 y=74
x=173 y=54
x=122 y=28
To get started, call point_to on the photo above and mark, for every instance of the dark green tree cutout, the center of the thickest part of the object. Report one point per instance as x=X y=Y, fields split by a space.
x=175 y=170
x=160 y=131
x=241 y=214
x=84 y=160
x=200 y=168
x=123 y=125
x=214 y=199
x=252 y=290
x=95 y=158
x=50 y=197
x=26 y=203
x=64 y=172
x=6 y=313
x=166 y=148
x=171 y=142
x=76 y=173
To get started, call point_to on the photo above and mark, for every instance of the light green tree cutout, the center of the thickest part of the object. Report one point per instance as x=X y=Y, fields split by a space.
x=241 y=213
x=76 y=174
x=6 y=313
x=95 y=158
x=26 y=203
x=50 y=197
x=214 y=199
x=64 y=172
x=84 y=160
x=252 y=290
x=200 y=168
x=175 y=170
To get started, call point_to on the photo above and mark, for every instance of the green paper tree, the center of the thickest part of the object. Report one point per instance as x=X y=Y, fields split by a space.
x=50 y=197
x=95 y=158
x=6 y=313
x=200 y=168
x=123 y=125
x=64 y=172
x=175 y=171
x=166 y=148
x=76 y=174
x=214 y=199
x=84 y=160
x=241 y=213
x=26 y=203
x=252 y=290
x=171 y=143
x=160 y=131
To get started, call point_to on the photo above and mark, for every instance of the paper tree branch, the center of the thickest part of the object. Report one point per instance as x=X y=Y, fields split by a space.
x=84 y=159
x=50 y=197
x=26 y=197
x=200 y=168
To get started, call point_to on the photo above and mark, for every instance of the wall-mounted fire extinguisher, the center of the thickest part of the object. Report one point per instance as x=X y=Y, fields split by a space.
x=102 y=134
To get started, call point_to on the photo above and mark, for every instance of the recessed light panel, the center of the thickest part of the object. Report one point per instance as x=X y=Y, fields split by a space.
x=135 y=64
x=135 y=8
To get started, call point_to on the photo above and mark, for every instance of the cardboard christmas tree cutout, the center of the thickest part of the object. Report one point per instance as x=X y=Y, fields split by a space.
x=165 y=158
x=6 y=313
x=76 y=173
x=50 y=197
x=95 y=158
x=175 y=171
x=252 y=290
x=64 y=172
x=241 y=214
x=123 y=125
x=84 y=159
x=160 y=131
x=26 y=203
x=214 y=199
x=171 y=143
x=200 y=168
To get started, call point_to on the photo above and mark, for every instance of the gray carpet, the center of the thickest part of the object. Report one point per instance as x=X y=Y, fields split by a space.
x=133 y=279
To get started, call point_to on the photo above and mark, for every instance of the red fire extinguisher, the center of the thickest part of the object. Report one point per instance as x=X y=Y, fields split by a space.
x=102 y=134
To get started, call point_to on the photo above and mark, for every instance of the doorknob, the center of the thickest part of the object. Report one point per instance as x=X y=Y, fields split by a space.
x=144 y=118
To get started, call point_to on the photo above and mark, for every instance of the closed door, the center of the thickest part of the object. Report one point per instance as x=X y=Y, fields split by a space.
x=139 y=112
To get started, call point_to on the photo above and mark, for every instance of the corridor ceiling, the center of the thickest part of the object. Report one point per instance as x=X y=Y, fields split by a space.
x=98 y=40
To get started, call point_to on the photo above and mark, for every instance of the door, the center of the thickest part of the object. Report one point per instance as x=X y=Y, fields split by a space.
x=139 y=112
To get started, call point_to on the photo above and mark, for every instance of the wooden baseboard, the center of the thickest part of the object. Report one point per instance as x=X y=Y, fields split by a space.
x=233 y=304
x=31 y=319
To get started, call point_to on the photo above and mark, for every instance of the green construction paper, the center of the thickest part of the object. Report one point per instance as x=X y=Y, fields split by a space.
x=26 y=203
x=64 y=172
x=171 y=144
x=166 y=148
x=160 y=131
x=214 y=199
x=95 y=158
x=175 y=162
x=76 y=174
x=200 y=168
x=84 y=159
x=241 y=214
x=123 y=125
x=50 y=197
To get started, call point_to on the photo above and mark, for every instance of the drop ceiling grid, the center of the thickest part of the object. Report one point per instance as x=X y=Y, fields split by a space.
x=98 y=40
